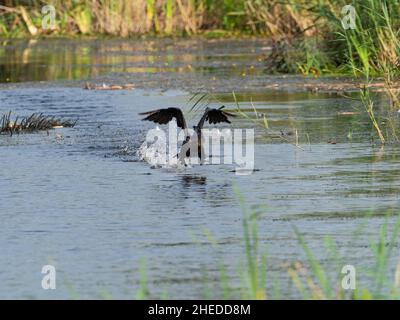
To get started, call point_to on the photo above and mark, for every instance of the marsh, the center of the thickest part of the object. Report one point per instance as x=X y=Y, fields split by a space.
x=86 y=204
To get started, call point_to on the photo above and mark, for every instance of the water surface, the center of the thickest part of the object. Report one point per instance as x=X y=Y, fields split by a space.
x=80 y=199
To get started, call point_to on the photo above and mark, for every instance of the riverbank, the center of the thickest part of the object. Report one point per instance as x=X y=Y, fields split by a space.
x=308 y=37
x=191 y=65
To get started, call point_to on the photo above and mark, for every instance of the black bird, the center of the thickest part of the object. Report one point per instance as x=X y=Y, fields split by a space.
x=163 y=116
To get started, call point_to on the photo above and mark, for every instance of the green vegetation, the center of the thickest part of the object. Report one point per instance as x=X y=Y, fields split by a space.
x=32 y=123
x=313 y=27
x=123 y=17
x=307 y=36
x=308 y=276
x=371 y=49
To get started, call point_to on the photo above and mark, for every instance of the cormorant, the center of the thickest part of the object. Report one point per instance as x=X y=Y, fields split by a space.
x=213 y=116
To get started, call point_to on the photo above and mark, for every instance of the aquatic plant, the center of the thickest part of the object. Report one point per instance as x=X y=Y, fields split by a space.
x=309 y=275
x=32 y=123
x=372 y=48
x=92 y=86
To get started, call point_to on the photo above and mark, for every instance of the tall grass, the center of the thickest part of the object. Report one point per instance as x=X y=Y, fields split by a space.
x=371 y=49
x=123 y=17
x=308 y=35
x=254 y=275
x=281 y=19
x=368 y=103
x=309 y=276
x=34 y=122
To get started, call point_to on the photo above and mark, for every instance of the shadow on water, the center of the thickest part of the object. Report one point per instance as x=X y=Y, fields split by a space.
x=190 y=180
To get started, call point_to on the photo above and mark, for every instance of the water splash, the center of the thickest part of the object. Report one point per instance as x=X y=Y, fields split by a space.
x=155 y=154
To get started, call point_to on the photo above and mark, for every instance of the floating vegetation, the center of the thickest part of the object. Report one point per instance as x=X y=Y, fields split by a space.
x=91 y=86
x=32 y=123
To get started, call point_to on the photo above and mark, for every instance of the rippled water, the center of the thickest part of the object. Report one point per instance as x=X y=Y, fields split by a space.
x=80 y=199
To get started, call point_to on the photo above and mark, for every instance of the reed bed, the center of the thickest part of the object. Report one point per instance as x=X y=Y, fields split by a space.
x=117 y=17
x=274 y=18
x=32 y=123
x=308 y=35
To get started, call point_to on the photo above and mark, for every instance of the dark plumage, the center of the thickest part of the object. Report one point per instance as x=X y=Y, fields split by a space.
x=163 y=116
x=212 y=116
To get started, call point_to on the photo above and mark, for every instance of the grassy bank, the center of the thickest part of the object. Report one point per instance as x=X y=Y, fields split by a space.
x=309 y=36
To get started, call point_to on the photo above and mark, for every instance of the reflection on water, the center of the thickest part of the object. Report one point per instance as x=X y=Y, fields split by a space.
x=189 y=180
x=85 y=203
x=80 y=199
x=40 y=60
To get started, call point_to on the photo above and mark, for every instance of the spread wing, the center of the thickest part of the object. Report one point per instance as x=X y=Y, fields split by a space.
x=163 y=116
x=214 y=116
x=217 y=115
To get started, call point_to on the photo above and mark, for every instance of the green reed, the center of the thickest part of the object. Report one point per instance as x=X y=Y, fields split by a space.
x=309 y=276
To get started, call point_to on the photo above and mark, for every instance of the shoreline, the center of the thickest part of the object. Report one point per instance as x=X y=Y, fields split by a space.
x=270 y=83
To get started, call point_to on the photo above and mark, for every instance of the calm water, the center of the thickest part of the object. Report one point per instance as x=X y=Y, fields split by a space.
x=81 y=200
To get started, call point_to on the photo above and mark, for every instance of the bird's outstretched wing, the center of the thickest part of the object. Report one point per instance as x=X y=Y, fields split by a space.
x=214 y=116
x=218 y=115
x=163 y=116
